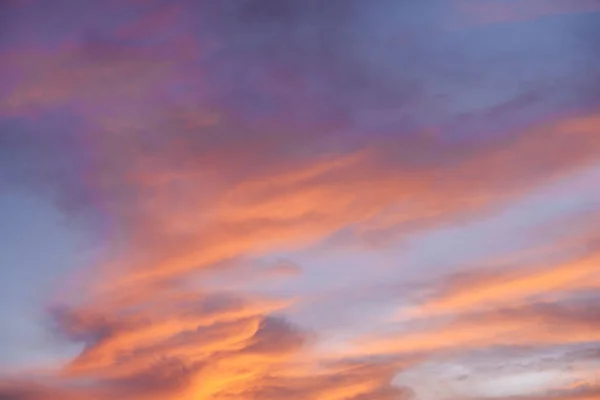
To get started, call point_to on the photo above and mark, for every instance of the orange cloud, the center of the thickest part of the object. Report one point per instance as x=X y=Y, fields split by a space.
x=191 y=188
x=145 y=337
x=514 y=286
x=248 y=358
x=304 y=203
x=530 y=325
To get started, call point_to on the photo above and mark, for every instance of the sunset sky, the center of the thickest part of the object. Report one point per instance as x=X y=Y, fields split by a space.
x=300 y=200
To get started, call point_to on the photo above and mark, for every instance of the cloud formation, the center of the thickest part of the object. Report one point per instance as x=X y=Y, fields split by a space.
x=200 y=140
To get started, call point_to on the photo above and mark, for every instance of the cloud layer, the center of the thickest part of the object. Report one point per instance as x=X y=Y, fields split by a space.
x=200 y=140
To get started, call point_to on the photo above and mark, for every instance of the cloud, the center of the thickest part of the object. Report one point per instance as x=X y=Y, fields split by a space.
x=472 y=291
x=251 y=134
x=523 y=327
x=217 y=345
x=244 y=359
x=182 y=217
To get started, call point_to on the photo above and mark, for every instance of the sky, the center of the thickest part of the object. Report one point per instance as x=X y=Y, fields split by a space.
x=299 y=200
